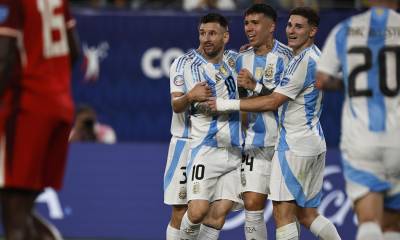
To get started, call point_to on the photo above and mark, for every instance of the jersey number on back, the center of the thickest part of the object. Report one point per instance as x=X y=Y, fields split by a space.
x=54 y=34
x=383 y=86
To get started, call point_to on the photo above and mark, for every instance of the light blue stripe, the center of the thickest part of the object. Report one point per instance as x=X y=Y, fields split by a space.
x=239 y=63
x=295 y=187
x=234 y=128
x=393 y=202
x=259 y=62
x=187 y=125
x=341 y=51
x=376 y=103
x=310 y=104
x=310 y=76
x=180 y=145
x=211 y=83
x=280 y=66
x=260 y=130
x=193 y=155
x=364 y=178
x=282 y=145
x=210 y=140
x=310 y=99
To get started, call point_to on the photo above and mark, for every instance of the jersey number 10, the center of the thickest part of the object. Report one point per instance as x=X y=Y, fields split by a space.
x=353 y=92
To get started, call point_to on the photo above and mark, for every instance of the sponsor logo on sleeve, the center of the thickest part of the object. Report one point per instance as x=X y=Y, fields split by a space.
x=178 y=80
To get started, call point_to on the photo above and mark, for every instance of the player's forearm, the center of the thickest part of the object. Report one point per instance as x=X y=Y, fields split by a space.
x=327 y=82
x=256 y=104
x=181 y=103
x=74 y=46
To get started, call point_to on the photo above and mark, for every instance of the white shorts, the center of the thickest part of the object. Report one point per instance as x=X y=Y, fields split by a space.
x=373 y=169
x=175 y=172
x=214 y=174
x=256 y=169
x=297 y=178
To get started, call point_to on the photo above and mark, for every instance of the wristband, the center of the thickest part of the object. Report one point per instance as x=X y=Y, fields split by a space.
x=224 y=105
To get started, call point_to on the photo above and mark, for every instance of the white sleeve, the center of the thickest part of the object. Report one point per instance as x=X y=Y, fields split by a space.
x=292 y=82
x=329 y=62
x=176 y=80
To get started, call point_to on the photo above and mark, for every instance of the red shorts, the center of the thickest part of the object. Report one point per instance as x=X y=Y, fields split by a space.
x=33 y=150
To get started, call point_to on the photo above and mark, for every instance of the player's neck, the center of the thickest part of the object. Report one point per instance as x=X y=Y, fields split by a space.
x=213 y=59
x=264 y=48
x=307 y=44
x=385 y=4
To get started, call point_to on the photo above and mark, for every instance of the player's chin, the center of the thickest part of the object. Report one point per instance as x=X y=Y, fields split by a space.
x=292 y=43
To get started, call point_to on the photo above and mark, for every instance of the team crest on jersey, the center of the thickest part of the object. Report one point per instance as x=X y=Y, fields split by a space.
x=269 y=72
x=259 y=72
x=182 y=193
x=223 y=70
x=196 y=188
x=178 y=80
x=4 y=11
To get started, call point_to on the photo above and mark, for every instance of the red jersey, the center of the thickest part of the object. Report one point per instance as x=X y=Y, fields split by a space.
x=40 y=27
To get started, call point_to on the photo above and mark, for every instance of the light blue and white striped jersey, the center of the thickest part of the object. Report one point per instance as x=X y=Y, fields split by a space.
x=180 y=123
x=366 y=49
x=262 y=129
x=222 y=130
x=300 y=130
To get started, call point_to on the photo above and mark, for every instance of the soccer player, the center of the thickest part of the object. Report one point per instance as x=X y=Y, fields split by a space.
x=366 y=50
x=215 y=155
x=37 y=48
x=299 y=159
x=259 y=71
x=175 y=177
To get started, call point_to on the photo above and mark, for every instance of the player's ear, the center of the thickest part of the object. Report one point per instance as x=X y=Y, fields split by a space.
x=272 y=27
x=313 y=31
x=226 y=37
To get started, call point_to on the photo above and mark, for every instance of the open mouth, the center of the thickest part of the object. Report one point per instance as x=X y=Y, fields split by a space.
x=251 y=37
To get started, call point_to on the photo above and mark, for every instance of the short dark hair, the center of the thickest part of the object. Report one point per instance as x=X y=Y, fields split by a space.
x=307 y=12
x=214 y=18
x=263 y=8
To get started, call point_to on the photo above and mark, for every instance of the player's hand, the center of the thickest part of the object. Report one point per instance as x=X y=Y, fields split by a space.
x=212 y=104
x=245 y=79
x=199 y=93
x=244 y=47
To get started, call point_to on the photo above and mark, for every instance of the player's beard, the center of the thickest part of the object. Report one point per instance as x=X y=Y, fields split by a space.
x=213 y=52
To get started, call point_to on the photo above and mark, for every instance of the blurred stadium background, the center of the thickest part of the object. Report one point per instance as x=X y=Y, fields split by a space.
x=116 y=191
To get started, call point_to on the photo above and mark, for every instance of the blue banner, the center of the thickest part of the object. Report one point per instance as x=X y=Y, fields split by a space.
x=124 y=73
x=117 y=191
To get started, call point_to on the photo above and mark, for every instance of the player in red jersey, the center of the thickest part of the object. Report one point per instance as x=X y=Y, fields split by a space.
x=37 y=48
